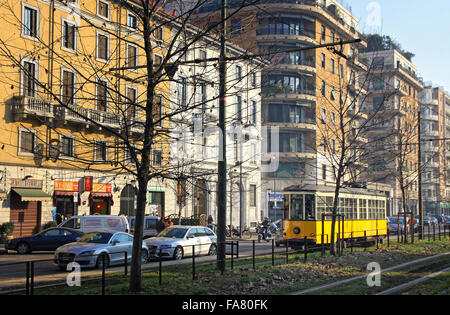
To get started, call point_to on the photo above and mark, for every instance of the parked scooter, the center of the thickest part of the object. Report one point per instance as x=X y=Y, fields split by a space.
x=272 y=230
x=229 y=232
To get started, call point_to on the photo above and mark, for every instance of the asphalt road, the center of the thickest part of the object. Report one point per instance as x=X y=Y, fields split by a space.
x=13 y=265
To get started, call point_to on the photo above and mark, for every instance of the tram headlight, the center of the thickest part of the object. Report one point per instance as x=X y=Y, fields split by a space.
x=297 y=230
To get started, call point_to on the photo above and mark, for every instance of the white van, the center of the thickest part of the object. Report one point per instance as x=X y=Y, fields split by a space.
x=91 y=223
x=149 y=226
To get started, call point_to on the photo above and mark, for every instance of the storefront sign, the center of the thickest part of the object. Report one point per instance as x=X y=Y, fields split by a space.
x=101 y=188
x=276 y=197
x=28 y=183
x=88 y=183
x=66 y=186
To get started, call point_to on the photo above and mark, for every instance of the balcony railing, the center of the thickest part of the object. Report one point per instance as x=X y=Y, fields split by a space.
x=78 y=114
x=29 y=105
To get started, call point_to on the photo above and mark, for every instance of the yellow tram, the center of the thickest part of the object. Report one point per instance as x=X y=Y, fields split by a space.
x=363 y=212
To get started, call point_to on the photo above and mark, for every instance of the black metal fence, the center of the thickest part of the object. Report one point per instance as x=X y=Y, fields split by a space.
x=347 y=241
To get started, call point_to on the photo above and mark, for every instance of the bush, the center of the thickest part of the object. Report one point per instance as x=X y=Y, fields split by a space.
x=49 y=225
x=6 y=230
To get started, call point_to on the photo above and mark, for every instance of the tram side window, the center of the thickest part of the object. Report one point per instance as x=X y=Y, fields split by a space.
x=362 y=209
x=321 y=207
x=285 y=207
x=310 y=204
x=372 y=209
x=296 y=212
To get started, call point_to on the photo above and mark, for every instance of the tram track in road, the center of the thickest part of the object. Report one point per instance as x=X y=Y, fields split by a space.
x=420 y=269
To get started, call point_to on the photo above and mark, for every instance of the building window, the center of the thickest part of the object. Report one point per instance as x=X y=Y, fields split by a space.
x=203 y=57
x=68 y=87
x=131 y=103
x=341 y=71
x=132 y=21
x=69 y=36
x=103 y=9
x=239 y=108
x=253 y=113
x=254 y=79
x=158 y=34
x=182 y=90
x=102 y=95
x=29 y=78
x=202 y=96
x=238 y=73
x=30 y=22
x=252 y=195
x=68 y=146
x=236 y=27
x=324 y=171
x=102 y=47
x=323 y=33
x=27 y=141
x=157 y=158
x=324 y=115
x=100 y=151
x=324 y=61
x=132 y=56
x=324 y=88
x=333 y=66
x=157 y=111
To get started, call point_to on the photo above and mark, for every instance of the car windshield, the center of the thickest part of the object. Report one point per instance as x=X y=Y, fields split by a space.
x=173 y=232
x=96 y=237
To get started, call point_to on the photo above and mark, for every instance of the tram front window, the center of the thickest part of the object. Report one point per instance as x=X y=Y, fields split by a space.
x=296 y=213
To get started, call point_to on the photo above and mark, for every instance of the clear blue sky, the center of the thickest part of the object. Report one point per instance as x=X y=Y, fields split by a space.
x=422 y=27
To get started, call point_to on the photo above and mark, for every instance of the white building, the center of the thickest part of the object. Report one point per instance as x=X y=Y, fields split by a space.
x=195 y=134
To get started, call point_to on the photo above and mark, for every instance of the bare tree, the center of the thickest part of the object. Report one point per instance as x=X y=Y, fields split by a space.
x=116 y=67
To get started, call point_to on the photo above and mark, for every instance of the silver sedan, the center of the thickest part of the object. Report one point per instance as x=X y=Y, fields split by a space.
x=178 y=241
x=94 y=248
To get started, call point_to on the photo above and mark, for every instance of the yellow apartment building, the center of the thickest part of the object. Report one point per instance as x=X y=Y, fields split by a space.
x=70 y=126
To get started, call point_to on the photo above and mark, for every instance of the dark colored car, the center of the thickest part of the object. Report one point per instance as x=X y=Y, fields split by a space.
x=47 y=240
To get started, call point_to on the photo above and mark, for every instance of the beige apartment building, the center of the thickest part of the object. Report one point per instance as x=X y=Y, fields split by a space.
x=393 y=105
x=303 y=92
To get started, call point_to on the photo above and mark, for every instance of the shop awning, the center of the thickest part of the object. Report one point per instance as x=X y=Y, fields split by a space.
x=101 y=195
x=32 y=194
x=58 y=193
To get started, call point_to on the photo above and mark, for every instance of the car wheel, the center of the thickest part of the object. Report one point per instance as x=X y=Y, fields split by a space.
x=178 y=253
x=23 y=248
x=212 y=250
x=100 y=259
x=144 y=256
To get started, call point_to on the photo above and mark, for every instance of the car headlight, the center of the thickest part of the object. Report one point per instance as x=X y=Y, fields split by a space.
x=87 y=253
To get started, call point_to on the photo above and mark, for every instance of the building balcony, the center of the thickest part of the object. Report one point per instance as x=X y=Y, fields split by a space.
x=296 y=68
x=304 y=125
x=353 y=112
x=330 y=12
x=431 y=133
x=295 y=156
x=88 y=117
x=430 y=116
x=357 y=139
x=286 y=38
x=25 y=106
x=430 y=148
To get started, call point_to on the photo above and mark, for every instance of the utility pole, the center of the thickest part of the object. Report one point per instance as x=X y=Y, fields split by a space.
x=419 y=167
x=222 y=164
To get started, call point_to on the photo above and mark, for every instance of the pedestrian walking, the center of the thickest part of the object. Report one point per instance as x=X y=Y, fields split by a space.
x=160 y=225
